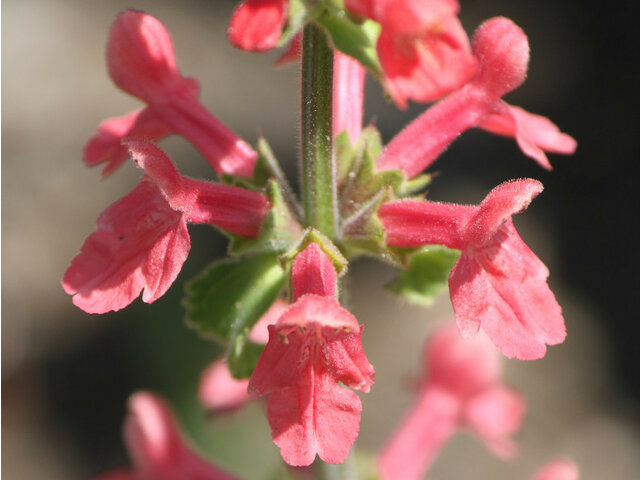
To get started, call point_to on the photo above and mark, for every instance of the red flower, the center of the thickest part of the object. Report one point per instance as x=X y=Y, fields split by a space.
x=461 y=388
x=156 y=447
x=314 y=345
x=498 y=283
x=423 y=49
x=141 y=61
x=502 y=51
x=142 y=239
x=256 y=25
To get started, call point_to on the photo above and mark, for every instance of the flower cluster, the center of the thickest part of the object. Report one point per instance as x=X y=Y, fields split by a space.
x=275 y=304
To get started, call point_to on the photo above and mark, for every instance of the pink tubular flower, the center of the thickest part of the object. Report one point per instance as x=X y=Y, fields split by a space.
x=558 y=470
x=314 y=345
x=497 y=283
x=348 y=95
x=105 y=146
x=142 y=239
x=219 y=391
x=502 y=50
x=461 y=387
x=256 y=25
x=141 y=61
x=156 y=447
x=423 y=49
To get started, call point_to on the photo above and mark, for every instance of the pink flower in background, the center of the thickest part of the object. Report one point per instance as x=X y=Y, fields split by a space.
x=348 y=95
x=460 y=388
x=156 y=447
x=142 y=239
x=256 y=25
x=502 y=50
x=423 y=49
x=141 y=61
x=314 y=345
x=498 y=283
x=219 y=391
x=558 y=470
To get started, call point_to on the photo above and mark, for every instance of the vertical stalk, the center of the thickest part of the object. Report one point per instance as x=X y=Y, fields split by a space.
x=318 y=169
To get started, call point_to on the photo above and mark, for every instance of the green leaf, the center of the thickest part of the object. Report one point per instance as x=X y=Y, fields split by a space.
x=356 y=40
x=229 y=297
x=243 y=357
x=426 y=275
x=280 y=229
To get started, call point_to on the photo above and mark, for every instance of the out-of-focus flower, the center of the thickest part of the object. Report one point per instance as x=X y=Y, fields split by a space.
x=461 y=387
x=558 y=470
x=219 y=391
x=156 y=447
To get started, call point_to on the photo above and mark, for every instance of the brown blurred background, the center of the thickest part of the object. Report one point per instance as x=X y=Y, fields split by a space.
x=66 y=375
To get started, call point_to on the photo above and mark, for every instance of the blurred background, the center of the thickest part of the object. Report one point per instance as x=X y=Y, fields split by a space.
x=66 y=375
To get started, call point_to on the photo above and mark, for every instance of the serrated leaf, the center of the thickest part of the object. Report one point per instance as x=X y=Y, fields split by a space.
x=229 y=297
x=426 y=275
x=356 y=40
x=279 y=231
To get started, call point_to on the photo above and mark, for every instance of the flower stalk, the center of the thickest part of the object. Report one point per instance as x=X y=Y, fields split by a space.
x=318 y=169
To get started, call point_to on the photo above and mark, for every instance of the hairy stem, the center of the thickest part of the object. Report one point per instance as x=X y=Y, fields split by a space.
x=318 y=166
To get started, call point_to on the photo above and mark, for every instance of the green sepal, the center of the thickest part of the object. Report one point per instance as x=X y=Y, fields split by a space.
x=299 y=15
x=311 y=235
x=366 y=182
x=362 y=232
x=279 y=231
x=230 y=296
x=426 y=275
x=349 y=157
x=358 y=40
x=414 y=185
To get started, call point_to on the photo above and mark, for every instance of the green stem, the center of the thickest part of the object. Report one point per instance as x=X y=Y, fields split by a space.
x=318 y=169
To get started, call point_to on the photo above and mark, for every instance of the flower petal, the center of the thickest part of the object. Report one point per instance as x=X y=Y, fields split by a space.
x=498 y=206
x=424 y=51
x=313 y=272
x=219 y=391
x=535 y=134
x=234 y=209
x=256 y=25
x=558 y=470
x=461 y=366
x=494 y=415
x=415 y=444
x=141 y=242
x=348 y=95
x=314 y=417
x=409 y=223
x=140 y=57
